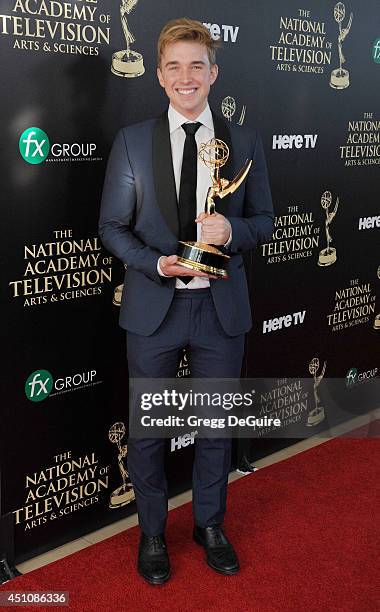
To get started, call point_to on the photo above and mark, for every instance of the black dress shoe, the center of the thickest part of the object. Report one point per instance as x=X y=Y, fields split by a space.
x=246 y=467
x=153 y=563
x=220 y=554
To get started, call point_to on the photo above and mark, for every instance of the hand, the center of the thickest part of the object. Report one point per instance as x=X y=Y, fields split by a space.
x=169 y=267
x=216 y=229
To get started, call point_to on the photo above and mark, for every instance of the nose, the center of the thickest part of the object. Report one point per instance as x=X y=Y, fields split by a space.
x=185 y=75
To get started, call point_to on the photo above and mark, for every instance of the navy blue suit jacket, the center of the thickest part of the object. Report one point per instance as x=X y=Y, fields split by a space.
x=139 y=221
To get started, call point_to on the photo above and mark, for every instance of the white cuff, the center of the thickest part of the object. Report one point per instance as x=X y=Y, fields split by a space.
x=159 y=269
x=228 y=241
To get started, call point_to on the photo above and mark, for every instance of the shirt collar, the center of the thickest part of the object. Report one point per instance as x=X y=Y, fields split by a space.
x=176 y=119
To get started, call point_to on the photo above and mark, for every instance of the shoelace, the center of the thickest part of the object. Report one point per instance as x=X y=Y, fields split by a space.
x=217 y=535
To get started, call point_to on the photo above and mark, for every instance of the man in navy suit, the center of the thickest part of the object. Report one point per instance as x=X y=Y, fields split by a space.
x=154 y=185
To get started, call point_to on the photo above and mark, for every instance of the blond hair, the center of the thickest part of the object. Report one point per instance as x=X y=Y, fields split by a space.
x=186 y=29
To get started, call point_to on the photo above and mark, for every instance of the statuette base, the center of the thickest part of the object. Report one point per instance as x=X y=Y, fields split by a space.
x=121 y=496
x=315 y=417
x=339 y=79
x=327 y=257
x=127 y=65
x=203 y=257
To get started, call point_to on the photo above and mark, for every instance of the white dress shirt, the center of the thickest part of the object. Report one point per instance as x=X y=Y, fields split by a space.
x=177 y=139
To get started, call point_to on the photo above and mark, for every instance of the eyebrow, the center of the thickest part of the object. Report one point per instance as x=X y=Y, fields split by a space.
x=195 y=62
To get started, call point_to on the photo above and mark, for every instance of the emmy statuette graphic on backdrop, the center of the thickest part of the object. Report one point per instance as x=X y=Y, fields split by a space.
x=228 y=107
x=376 y=323
x=117 y=295
x=183 y=369
x=127 y=63
x=316 y=415
x=198 y=255
x=124 y=494
x=328 y=255
x=340 y=77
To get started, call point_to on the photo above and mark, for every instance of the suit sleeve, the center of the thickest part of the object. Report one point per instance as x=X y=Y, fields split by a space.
x=117 y=211
x=256 y=226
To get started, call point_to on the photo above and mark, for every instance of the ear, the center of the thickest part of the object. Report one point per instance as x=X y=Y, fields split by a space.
x=160 y=78
x=214 y=70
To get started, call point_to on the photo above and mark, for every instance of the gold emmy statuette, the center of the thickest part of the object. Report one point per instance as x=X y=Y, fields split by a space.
x=127 y=63
x=376 y=323
x=316 y=415
x=124 y=494
x=199 y=255
x=340 y=78
x=328 y=256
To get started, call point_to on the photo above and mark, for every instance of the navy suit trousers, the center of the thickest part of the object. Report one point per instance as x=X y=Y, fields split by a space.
x=191 y=322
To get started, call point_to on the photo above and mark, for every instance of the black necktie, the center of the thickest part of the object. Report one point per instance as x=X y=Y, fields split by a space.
x=187 y=201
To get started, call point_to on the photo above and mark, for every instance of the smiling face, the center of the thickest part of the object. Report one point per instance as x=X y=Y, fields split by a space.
x=187 y=75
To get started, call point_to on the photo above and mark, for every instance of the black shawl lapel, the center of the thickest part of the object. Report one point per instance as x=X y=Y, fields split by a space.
x=163 y=173
x=222 y=132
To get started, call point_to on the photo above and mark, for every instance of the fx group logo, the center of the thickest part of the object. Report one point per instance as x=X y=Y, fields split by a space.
x=353 y=376
x=376 y=51
x=34 y=145
x=40 y=384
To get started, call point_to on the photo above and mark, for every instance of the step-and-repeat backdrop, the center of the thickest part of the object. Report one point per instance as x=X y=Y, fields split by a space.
x=307 y=76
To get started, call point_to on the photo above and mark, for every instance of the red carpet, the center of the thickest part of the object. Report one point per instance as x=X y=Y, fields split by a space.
x=305 y=530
